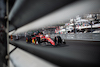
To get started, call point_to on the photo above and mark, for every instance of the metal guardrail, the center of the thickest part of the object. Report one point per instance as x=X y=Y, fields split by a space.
x=64 y=56
x=79 y=36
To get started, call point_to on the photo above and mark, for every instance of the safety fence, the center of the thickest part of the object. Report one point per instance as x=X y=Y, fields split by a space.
x=79 y=36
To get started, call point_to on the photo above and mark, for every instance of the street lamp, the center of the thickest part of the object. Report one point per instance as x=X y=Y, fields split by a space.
x=74 y=26
x=73 y=21
x=91 y=26
x=91 y=23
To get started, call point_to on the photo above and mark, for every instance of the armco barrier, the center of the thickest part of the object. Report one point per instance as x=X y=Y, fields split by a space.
x=68 y=55
x=79 y=36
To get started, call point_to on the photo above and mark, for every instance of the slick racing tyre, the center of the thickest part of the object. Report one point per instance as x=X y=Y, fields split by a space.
x=58 y=40
x=37 y=40
x=29 y=40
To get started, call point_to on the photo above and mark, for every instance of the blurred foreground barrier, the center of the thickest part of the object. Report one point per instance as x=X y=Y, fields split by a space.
x=65 y=56
x=79 y=36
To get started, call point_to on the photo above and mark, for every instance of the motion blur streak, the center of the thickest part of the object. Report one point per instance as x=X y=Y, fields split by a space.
x=62 y=15
x=74 y=53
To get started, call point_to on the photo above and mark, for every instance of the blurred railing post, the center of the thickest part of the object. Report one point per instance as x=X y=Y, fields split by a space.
x=91 y=26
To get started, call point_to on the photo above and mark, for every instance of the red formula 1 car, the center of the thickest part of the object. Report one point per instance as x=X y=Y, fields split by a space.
x=40 y=38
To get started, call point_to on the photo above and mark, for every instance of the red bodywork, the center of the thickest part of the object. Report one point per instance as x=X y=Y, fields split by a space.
x=43 y=39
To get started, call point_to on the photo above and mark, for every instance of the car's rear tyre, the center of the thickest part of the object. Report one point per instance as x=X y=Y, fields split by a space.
x=38 y=40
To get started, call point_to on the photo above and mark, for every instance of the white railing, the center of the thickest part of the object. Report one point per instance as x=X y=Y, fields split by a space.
x=79 y=36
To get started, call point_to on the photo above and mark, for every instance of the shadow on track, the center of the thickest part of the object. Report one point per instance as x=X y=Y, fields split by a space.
x=60 y=45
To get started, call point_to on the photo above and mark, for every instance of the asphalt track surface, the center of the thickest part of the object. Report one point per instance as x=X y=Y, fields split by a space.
x=73 y=53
